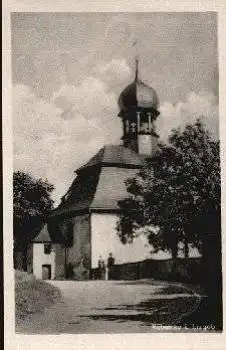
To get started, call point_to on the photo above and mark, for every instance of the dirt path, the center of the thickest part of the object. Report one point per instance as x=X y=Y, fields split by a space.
x=112 y=307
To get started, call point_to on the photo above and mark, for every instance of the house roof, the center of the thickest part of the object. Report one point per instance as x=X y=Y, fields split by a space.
x=43 y=235
x=104 y=185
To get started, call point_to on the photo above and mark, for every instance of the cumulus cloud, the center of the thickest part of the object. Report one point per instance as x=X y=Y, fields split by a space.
x=203 y=105
x=47 y=145
x=114 y=70
x=91 y=96
x=52 y=138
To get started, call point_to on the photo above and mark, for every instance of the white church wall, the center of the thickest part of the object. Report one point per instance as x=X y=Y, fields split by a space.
x=40 y=259
x=104 y=240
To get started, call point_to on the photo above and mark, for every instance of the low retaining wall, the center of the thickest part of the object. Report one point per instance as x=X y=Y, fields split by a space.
x=186 y=270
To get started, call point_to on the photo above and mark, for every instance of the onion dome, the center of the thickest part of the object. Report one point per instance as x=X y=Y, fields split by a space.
x=138 y=94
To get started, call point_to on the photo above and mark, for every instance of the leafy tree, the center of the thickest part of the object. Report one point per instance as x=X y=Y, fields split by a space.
x=177 y=193
x=31 y=204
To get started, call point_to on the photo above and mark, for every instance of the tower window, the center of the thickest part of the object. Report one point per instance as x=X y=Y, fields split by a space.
x=145 y=128
x=47 y=248
x=133 y=127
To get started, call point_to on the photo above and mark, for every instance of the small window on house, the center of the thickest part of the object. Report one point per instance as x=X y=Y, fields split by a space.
x=47 y=248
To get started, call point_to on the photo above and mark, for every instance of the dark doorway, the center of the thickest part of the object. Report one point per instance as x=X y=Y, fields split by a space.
x=46 y=272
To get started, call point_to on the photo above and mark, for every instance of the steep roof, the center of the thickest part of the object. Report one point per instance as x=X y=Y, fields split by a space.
x=80 y=195
x=43 y=235
x=100 y=183
x=111 y=187
x=115 y=155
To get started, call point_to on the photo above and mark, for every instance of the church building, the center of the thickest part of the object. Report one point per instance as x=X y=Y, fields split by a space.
x=83 y=227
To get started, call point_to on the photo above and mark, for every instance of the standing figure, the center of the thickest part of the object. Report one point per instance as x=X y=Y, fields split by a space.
x=101 y=269
x=111 y=263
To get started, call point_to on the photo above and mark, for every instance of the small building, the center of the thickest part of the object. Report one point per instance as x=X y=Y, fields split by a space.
x=43 y=255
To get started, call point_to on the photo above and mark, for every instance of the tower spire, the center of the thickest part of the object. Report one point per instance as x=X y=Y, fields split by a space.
x=137 y=67
x=136 y=60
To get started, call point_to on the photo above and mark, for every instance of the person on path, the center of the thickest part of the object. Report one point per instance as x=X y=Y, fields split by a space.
x=110 y=265
x=101 y=269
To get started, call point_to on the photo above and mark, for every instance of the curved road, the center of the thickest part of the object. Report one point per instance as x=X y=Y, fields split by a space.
x=113 y=307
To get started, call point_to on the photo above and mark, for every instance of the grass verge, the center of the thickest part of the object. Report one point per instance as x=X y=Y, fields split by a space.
x=32 y=295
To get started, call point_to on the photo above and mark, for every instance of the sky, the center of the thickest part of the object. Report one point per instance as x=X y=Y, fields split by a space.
x=68 y=70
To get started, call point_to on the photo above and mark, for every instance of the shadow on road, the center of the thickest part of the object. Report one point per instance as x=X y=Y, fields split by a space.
x=172 y=306
x=153 y=311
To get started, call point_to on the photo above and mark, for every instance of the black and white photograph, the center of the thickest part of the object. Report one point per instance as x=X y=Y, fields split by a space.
x=116 y=172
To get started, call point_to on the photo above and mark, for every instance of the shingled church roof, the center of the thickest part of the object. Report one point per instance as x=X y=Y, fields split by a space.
x=100 y=183
x=115 y=155
x=111 y=188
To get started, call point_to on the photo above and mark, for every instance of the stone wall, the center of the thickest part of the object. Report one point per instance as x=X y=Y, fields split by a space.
x=79 y=254
x=187 y=270
x=60 y=261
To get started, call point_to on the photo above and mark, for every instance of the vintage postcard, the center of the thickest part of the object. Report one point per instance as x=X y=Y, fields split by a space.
x=113 y=179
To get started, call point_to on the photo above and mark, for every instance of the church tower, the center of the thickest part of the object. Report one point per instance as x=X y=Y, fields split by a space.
x=83 y=226
x=138 y=104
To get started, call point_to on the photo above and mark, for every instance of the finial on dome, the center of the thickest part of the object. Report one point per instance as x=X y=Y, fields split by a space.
x=138 y=94
x=136 y=60
x=137 y=66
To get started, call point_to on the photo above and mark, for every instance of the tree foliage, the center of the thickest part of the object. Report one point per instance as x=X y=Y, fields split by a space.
x=177 y=192
x=31 y=203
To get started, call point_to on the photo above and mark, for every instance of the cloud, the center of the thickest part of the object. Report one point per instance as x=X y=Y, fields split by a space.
x=52 y=138
x=114 y=70
x=88 y=98
x=47 y=145
x=203 y=105
x=95 y=93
